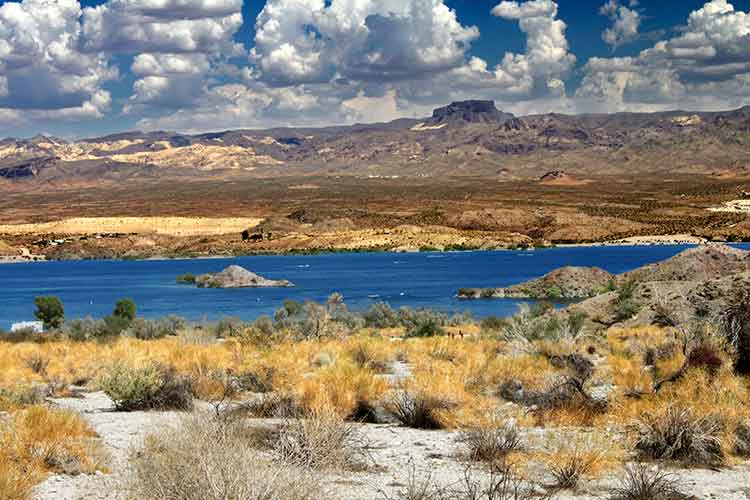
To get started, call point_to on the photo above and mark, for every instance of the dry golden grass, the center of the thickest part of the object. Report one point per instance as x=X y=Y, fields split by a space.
x=574 y=457
x=455 y=383
x=37 y=441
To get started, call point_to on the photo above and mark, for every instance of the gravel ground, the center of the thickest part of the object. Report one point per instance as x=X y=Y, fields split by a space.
x=397 y=452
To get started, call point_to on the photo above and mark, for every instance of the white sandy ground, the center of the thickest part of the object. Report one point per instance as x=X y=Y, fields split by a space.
x=659 y=239
x=172 y=226
x=734 y=206
x=395 y=450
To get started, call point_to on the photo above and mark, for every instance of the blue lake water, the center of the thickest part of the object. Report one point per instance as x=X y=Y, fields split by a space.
x=427 y=280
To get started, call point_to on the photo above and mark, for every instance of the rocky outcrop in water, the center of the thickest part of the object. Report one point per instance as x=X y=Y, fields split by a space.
x=238 y=277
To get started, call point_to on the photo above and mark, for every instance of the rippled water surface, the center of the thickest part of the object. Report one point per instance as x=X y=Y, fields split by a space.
x=418 y=280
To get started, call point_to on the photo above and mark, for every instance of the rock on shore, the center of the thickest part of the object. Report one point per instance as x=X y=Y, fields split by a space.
x=564 y=283
x=238 y=277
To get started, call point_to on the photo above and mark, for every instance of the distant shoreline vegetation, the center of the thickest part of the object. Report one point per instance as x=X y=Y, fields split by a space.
x=454 y=248
x=301 y=320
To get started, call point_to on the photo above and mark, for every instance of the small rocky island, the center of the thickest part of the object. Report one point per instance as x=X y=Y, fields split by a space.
x=238 y=277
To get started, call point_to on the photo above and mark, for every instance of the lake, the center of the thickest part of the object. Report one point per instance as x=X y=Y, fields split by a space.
x=428 y=280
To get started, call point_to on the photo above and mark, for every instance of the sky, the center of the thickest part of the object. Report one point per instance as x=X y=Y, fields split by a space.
x=89 y=68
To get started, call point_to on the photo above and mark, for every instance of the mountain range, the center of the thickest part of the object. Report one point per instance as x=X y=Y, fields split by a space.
x=470 y=138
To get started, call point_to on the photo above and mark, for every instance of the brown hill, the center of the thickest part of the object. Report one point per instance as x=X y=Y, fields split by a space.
x=703 y=263
x=465 y=138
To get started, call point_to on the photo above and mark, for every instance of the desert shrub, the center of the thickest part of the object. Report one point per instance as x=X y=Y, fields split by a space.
x=36 y=362
x=706 y=357
x=626 y=306
x=462 y=318
x=735 y=320
x=50 y=311
x=531 y=324
x=417 y=409
x=491 y=442
x=153 y=387
x=19 y=396
x=186 y=279
x=640 y=482
x=213 y=459
x=575 y=321
x=82 y=330
x=264 y=325
x=292 y=307
x=492 y=324
x=568 y=472
x=487 y=293
x=381 y=315
x=309 y=321
x=114 y=326
x=229 y=327
x=273 y=405
x=425 y=328
x=679 y=434
x=321 y=440
x=742 y=439
x=147 y=329
x=366 y=354
x=664 y=315
x=422 y=322
x=502 y=484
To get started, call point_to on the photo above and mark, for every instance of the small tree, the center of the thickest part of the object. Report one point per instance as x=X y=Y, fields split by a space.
x=49 y=310
x=125 y=309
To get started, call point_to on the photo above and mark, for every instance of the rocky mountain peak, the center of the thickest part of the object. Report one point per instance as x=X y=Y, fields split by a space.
x=474 y=111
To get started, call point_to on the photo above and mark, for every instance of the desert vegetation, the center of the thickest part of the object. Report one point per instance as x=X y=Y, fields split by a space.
x=536 y=405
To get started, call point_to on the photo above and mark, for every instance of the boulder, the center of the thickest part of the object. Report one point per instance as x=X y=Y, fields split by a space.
x=238 y=277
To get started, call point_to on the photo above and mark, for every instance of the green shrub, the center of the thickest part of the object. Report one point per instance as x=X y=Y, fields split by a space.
x=427 y=327
x=50 y=311
x=125 y=309
x=115 y=325
x=153 y=387
x=145 y=329
x=381 y=315
x=264 y=325
x=81 y=330
x=229 y=327
x=625 y=304
x=493 y=324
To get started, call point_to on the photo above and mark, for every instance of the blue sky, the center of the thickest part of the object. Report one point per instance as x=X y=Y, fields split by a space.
x=82 y=69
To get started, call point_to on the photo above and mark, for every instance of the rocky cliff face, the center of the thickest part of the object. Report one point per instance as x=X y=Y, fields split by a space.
x=470 y=112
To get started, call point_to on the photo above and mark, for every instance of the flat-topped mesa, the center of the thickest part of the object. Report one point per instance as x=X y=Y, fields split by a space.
x=238 y=277
x=474 y=111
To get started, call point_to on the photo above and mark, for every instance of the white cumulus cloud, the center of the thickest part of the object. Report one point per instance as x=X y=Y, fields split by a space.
x=626 y=23
x=315 y=41
x=707 y=65
x=43 y=72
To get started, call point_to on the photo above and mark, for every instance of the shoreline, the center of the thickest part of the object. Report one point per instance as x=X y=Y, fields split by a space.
x=635 y=241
